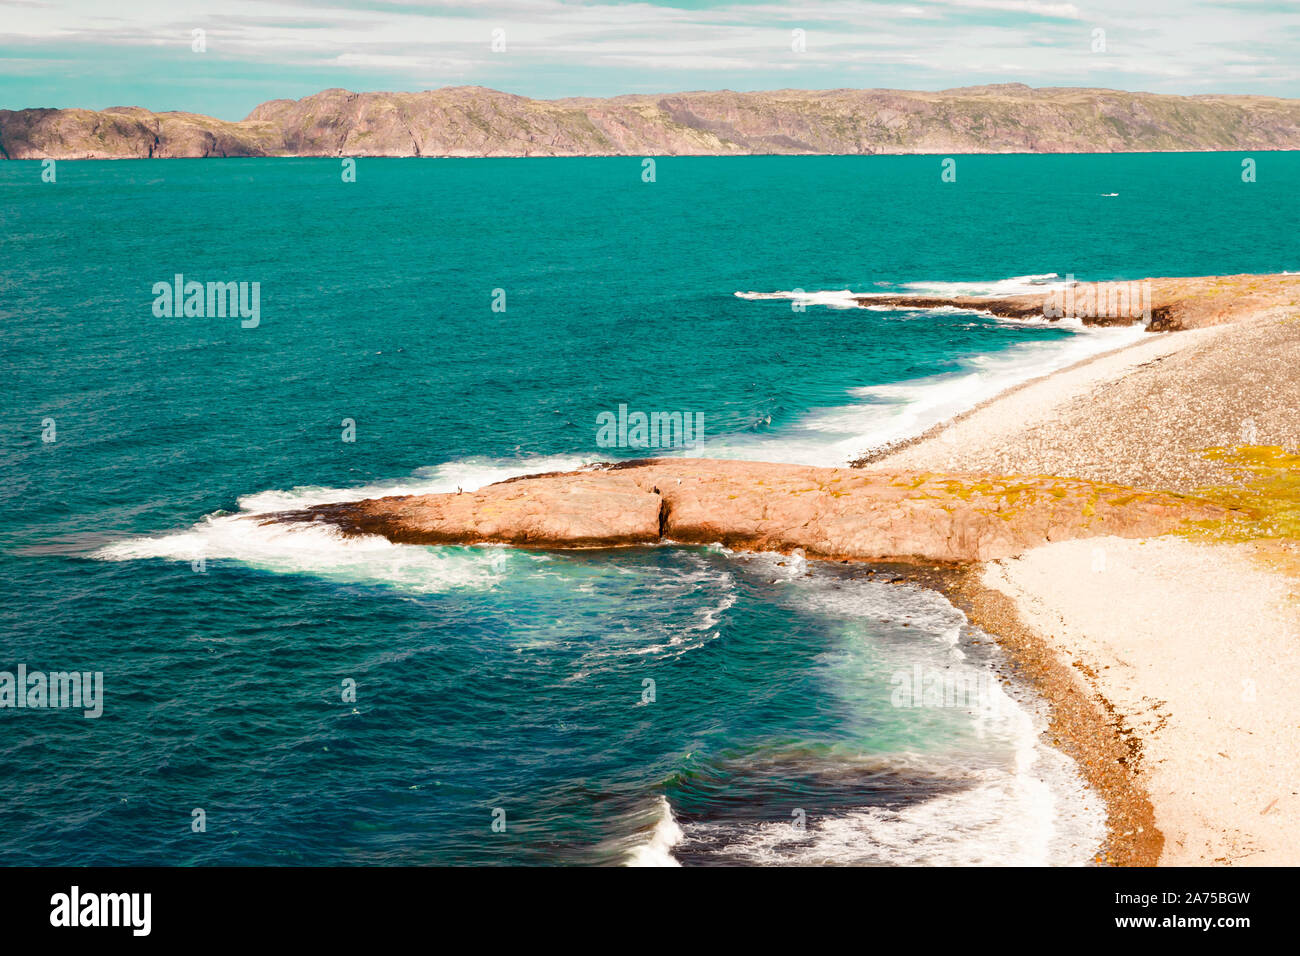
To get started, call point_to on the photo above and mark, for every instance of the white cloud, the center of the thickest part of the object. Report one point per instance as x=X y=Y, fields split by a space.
x=1064 y=10
x=1040 y=41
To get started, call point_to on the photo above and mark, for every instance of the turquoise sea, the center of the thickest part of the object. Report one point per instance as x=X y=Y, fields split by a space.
x=640 y=706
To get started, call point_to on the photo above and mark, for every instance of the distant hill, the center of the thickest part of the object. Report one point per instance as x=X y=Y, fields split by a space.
x=474 y=121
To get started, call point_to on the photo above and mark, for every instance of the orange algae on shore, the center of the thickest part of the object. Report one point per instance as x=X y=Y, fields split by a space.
x=1266 y=502
x=1266 y=495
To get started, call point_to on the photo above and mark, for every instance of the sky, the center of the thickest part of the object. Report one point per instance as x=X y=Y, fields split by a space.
x=101 y=53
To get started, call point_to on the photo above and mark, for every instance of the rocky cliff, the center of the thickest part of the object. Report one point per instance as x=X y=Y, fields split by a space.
x=473 y=121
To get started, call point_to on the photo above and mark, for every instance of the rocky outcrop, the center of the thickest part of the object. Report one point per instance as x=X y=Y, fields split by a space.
x=1169 y=304
x=829 y=513
x=474 y=121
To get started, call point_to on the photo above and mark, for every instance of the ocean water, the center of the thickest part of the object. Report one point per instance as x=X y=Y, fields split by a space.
x=665 y=705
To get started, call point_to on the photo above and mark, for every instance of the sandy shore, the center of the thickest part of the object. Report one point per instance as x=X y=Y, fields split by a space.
x=1193 y=648
x=1171 y=662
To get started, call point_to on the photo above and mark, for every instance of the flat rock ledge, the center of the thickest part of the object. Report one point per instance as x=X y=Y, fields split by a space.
x=829 y=513
x=1175 y=303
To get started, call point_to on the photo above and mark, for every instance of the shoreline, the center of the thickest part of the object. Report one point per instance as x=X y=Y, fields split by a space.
x=1188 y=684
x=1154 y=347
x=1080 y=726
x=726 y=154
x=1167 y=661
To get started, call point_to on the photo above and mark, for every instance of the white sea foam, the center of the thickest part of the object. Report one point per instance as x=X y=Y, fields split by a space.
x=1015 y=285
x=843 y=299
x=323 y=552
x=1041 y=816
x=846 y=298
x=466 y=474
x=1020 y=801
x=657 y=850
x=304 y=548
x=703 y=589
x=878 y=415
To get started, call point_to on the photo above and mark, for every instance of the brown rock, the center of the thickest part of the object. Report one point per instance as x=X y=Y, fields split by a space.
x=1176 y=303
x=832 y=513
